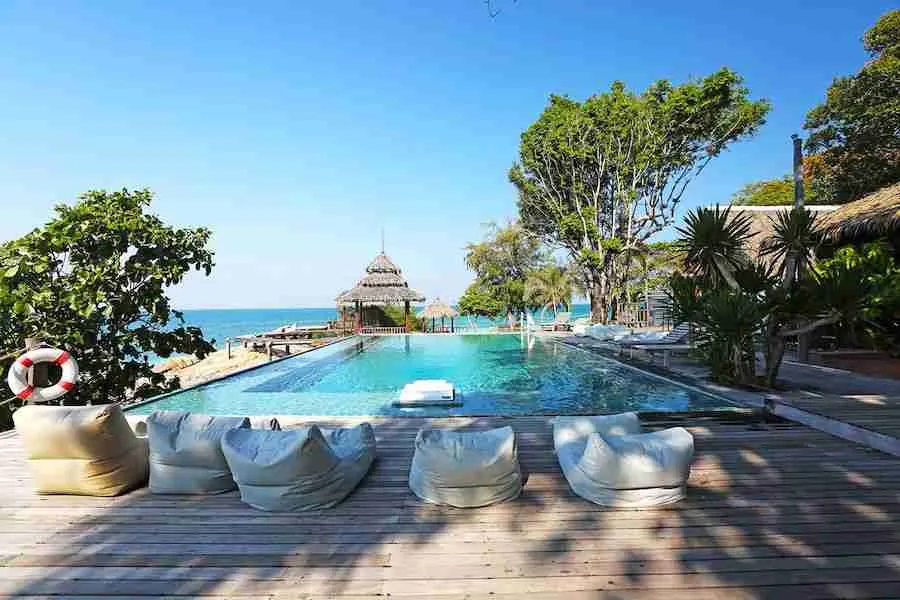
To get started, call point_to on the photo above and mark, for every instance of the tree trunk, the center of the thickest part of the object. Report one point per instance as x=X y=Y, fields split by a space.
x=598 y=302
x=774 y=355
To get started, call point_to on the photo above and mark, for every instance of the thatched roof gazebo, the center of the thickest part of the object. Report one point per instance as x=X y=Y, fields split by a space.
x=869 y=218
x=439 y=310
x=382 y=285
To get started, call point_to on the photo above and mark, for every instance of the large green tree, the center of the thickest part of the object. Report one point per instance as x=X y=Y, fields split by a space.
x=502 y=263
x=599 y=178
x=856 y=131
x=93 y=281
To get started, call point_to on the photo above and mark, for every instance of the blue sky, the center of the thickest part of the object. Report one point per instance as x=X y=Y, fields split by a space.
x=297 y=130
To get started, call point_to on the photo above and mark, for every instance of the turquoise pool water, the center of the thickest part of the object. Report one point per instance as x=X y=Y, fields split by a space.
x=496 y=375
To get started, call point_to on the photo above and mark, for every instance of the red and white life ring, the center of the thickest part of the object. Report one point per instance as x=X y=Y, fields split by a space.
x=18 y=375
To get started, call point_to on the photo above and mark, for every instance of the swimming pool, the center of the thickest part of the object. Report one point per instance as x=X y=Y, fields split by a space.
x=496 y=375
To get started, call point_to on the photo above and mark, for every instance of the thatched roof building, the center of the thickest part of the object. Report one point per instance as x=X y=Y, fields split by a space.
x=762 y=221
x=438 y=310
x=874 y=216
x=382 y=284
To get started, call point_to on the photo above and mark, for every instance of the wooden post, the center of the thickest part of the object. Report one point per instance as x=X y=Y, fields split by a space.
x=228 y=347
x=269 y=350
x=442 y=324
x=406 y=316
x=452 y=330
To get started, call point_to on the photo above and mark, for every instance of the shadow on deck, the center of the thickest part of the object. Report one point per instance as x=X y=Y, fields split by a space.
x=774 y=511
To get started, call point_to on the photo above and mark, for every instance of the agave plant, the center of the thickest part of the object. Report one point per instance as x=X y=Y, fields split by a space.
x=713 y=242
x=793 y=243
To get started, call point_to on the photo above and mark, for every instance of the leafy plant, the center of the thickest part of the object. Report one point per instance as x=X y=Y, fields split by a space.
x=599 y=178
x=549 y=287
x=854 y=132
x=713 y=244
x=93 y=281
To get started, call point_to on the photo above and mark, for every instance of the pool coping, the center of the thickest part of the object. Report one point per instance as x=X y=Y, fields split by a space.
x=233 y=374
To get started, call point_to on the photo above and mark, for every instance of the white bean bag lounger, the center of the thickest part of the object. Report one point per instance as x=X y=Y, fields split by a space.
x=298 y=469
x=466 y=469
x=84 y=450
x=186 y=452
x=608 y=461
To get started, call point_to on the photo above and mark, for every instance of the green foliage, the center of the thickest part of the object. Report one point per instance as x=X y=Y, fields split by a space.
x=769 y=192
x=793 y=242
x=713 y=245
x=880 y=273
x=478 y=301
x=93 y=280
x=502 y=263
x=601 y=177
x=737 y=305
x=855 y=131
x=395 y=316
x=549 y=287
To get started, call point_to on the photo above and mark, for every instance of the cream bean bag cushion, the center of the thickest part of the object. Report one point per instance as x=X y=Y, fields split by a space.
x=298 y=469
x=186 y=452
x=608 y=461
x=466 y=469
x=85 y=450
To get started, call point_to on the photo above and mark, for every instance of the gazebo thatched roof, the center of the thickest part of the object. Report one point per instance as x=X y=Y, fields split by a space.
x=383 y=283
x=876 y=215
x=438 y=310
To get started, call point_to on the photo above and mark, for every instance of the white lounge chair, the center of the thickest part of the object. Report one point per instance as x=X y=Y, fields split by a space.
x=298 y=469
x=466 y=469
x=562 y=321
x=609 y=461
x=186 y=454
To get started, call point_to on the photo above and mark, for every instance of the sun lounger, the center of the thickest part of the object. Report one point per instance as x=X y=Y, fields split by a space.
x=83 y=450
x=677 y=336
x=428 y=392
x=608 y=461
x=466 y=469
x=298 y=469
x=186 y=454
x=667 y=350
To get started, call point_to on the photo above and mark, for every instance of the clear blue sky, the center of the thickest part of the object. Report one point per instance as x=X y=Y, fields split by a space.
x=297 y=130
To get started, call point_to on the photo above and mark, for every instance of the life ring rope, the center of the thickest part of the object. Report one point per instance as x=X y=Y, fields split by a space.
x=18 y=375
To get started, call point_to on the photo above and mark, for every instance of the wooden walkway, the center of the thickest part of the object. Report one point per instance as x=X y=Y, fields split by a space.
x=774 y=511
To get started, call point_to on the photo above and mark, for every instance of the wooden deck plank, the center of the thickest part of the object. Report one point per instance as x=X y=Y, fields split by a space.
x=774 y=511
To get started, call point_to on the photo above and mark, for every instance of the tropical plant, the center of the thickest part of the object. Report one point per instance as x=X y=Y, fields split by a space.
x=856 y=131
x=549 y=287
x=714 y=245
x=502 y=263
x=738 y=305
x=599 y=178
x=93 y=280
x=774 y=192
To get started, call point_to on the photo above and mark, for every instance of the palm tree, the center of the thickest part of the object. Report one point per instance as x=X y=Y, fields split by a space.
x=549 y=287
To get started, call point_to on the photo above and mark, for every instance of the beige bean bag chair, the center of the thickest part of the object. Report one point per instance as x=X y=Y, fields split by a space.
x=186 y=453
x=466 y=469
x=298 y=469
x=608 y=461
x=85 y=450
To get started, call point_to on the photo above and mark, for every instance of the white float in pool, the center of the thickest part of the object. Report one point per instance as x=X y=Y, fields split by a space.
x=428 y=392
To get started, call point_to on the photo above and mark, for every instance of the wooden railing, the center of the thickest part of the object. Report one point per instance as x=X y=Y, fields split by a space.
x=382 y=330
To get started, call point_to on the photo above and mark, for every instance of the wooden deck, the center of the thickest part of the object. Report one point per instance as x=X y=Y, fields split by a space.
x=774 y=511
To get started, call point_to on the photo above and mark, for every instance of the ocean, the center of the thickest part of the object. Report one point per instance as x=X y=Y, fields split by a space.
x=218 y=324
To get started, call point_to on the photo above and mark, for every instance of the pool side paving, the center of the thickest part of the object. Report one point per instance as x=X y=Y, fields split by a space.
x=774 y=510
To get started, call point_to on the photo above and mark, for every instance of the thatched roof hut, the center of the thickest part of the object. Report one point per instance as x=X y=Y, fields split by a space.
x=382 y=284
x=874 y=216
x=438 y=310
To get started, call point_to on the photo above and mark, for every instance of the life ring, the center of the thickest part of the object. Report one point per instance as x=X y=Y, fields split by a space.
x=18 y=375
